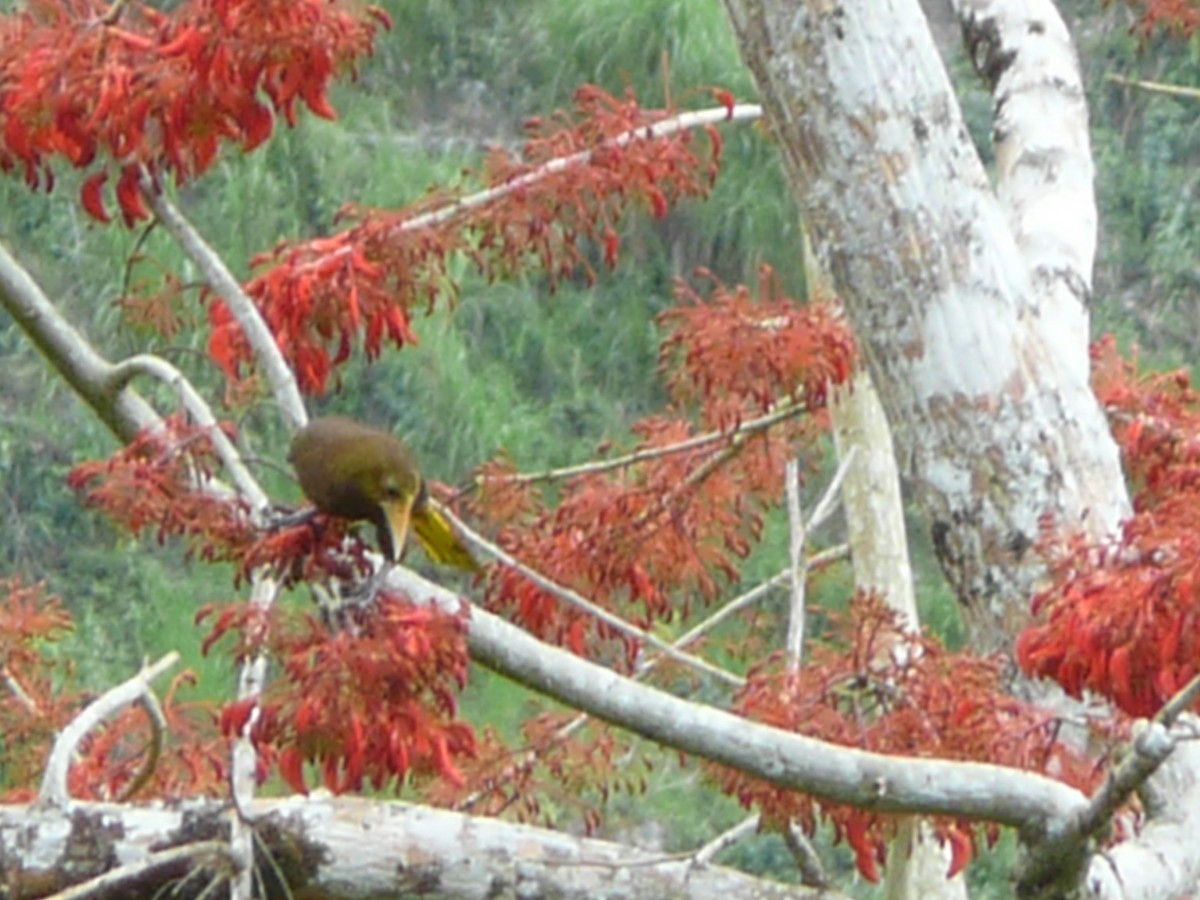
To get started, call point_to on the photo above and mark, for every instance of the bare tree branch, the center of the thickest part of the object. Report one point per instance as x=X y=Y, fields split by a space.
x=69 y=353
x=279 y=375
x=828 y=771
x=741 y=112
x=577 y=600
x=785 y=411
x=798 y=569
x=199 y=410
x=54 y=788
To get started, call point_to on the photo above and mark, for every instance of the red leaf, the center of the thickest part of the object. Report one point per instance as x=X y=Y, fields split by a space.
x=1120 y=677
x=725 y=98
x=961 y=851
x=129 y=196
x=291 y=767
x=612 y=245
x=92 y=197
x=864 y=850
x=235 y=715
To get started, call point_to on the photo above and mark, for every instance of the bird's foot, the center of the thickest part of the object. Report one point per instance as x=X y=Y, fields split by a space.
x=341 y=603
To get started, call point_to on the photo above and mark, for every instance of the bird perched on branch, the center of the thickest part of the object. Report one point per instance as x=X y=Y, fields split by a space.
x=355 y=472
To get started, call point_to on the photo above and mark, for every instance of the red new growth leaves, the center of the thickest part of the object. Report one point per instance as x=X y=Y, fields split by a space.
x=155 y=483
x=82 y=80
x=372 y=702
x=324 y=296
x=37 y=701
x=33 y=704
x=736 y=353
x=892 y=693
x=675 y=518
x=1181 y=16
x=1124 y=620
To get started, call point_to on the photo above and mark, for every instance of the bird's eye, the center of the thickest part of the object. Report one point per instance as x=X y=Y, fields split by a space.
x=392 y=491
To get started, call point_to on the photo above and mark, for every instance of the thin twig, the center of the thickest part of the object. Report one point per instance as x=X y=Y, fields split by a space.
x=665 y=128
x=276 y=869
x=1148 y=750
x=158 y=729
x=787 y=411
x=808 y=860
x=825 y=505
x=1180 y=703
x=200 y=412
x=798 y=569
x=727 y=838
x=1157 y=87
x=580 y=602
x=54 y=790
x=17 y=690
x=106 y=884
x=752 y=596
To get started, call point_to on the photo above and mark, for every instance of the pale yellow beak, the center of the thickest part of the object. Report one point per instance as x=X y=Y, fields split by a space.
x=397 y=513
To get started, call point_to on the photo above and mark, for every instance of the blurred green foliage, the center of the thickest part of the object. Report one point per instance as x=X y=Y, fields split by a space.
x=512 y=368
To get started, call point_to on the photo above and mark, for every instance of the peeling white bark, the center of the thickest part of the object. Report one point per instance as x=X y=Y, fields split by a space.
x=1044 y=169
x=993 y=417
x=349 y=847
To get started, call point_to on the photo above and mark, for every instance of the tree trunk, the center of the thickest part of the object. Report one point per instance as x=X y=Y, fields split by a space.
x=346 y=847
x=993 y=417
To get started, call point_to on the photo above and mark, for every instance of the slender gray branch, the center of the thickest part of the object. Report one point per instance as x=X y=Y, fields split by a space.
x=580 y=602
x=266 y=351
x=54 y=781
x=199 y=410
x=69 y=353
x=830 y=772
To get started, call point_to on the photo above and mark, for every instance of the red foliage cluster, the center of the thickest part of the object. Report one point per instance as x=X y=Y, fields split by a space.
x=80 y=79
x=675 y=519
x=1180 y=16
x=373 y=701
x=1124 y=620
x=320 y=297
x=562 y=768
x=156 y=483
x=34 y=703
x=317 y=549
x=153 y=483
x=193 y=762
x=634 y=540
x=37 y=702
x=890 y=692
x=736 y=353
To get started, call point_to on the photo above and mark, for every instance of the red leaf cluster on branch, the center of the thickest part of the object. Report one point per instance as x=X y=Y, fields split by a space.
x=1180 y=16
x=374 y=701
x=322 y=297
x=561 y=768
x=155 y=483
x=888 y=691
x=638 y=536
x=34 y=703
x=1123 y=620
x=82 y=80
x=736 y=352
x=37 y=701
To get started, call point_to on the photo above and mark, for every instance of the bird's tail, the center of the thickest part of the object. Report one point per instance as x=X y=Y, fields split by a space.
x=440 y=541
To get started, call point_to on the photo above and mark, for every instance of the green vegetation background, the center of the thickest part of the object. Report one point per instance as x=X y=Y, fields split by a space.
x=512 y=368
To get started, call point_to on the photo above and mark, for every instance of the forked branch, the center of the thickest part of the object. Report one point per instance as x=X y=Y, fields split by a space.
x=54 y=788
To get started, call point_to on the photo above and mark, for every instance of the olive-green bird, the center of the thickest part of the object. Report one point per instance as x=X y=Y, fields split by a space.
x=355 y=472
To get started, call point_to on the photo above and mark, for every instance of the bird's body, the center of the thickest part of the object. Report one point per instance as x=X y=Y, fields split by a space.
x=356 y=472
